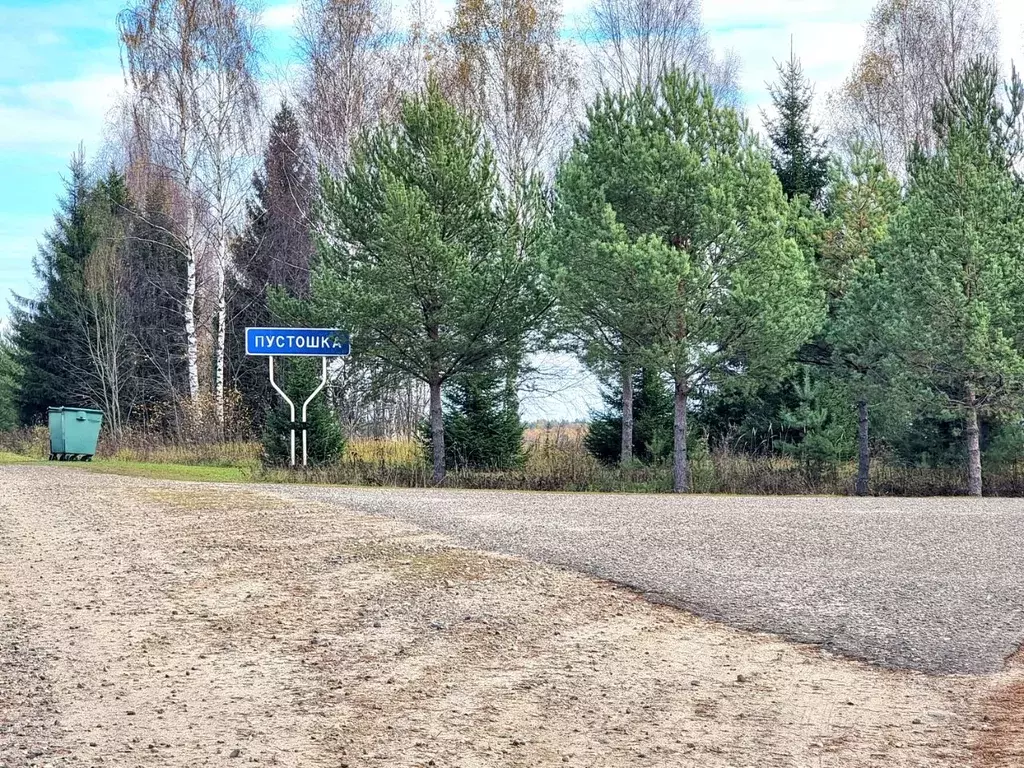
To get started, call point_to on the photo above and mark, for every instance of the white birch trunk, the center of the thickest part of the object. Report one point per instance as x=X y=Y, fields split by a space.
x=222 y=315
x=191 y=338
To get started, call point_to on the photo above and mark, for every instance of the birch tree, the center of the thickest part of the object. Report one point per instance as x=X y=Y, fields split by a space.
x=505 y=63
x=190 y=66
x=165 y=80
x=634 y=42
x=226 y=118
x=348 y=79
x=914 y=50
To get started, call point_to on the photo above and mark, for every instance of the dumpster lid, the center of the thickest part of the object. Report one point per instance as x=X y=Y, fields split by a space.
x=60 y=408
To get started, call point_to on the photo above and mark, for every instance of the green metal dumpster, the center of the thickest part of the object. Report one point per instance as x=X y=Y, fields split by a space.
x=74 y=433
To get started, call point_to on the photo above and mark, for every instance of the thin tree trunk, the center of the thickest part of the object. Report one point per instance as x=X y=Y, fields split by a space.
x=973 y=446
x=191 y=341
x=680 y=462
x=437 y=431
x=626 y=456
x=863 y=449
x=222 y=316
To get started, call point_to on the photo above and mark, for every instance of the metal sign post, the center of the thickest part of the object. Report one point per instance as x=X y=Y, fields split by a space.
x=297 y=342
x=291 y=405
x=323 y=383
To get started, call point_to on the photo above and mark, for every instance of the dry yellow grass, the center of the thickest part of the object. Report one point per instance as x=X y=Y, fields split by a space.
x=396 y=451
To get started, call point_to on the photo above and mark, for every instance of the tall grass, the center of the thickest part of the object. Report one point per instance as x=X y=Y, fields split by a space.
x=555 y=460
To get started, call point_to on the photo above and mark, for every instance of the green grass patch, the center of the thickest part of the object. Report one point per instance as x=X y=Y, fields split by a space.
x=15 y=458
x=161 y=471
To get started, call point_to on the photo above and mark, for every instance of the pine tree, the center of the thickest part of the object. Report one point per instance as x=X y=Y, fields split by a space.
x=951 y=269
x=423 y=257
x=669 y=215
x=862 y=202
x=799 y=156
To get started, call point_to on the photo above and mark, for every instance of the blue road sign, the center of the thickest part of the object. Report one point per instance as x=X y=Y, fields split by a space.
x=297 y=342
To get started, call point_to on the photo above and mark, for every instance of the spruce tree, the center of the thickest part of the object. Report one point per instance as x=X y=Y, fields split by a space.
x=272 y=252
x=10 y=376
x=325 y=442
x=652 y=413
x=482 y=428
x=156 y=282
x=48 y=347
x=799 y=156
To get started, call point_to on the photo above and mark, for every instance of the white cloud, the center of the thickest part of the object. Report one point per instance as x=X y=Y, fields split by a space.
x=745 y=13
x=827 y=36
x=280 y=16
x=56 y=115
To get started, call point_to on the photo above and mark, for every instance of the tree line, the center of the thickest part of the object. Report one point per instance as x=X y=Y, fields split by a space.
x=460 y=197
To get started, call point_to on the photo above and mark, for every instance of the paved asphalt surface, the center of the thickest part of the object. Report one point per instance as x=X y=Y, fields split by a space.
x=928 y=584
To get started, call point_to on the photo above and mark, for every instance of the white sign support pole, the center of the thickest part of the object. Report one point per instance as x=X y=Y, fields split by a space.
x=323 y=383
x=291 y=405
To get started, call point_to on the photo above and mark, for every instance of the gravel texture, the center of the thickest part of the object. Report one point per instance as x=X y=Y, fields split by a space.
x=935 y=585
x=147 y=623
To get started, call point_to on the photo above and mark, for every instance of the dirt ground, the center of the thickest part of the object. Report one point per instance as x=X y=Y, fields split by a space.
x=146 y=623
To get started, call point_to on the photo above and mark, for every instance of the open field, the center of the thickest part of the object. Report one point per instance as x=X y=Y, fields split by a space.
x=156 y=623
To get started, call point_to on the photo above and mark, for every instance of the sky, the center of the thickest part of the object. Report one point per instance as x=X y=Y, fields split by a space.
x=60 y=73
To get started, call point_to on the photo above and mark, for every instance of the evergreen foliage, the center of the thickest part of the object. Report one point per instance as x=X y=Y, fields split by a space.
x=652 y=429
x=47 y=332
x=272 y=252
x=482 y=428
x=745 y=419
x=672 y=231
x=951 y=269
x=156 y=284
x=10 y=375
x=821 y=428
x=424 y=257
x=799 y=156
x=862 y=203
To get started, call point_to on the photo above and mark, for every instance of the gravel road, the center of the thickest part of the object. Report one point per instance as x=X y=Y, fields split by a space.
x=154 y=623
x=935 y=585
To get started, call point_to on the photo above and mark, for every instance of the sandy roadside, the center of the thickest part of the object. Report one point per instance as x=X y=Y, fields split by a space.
x=147 y=623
